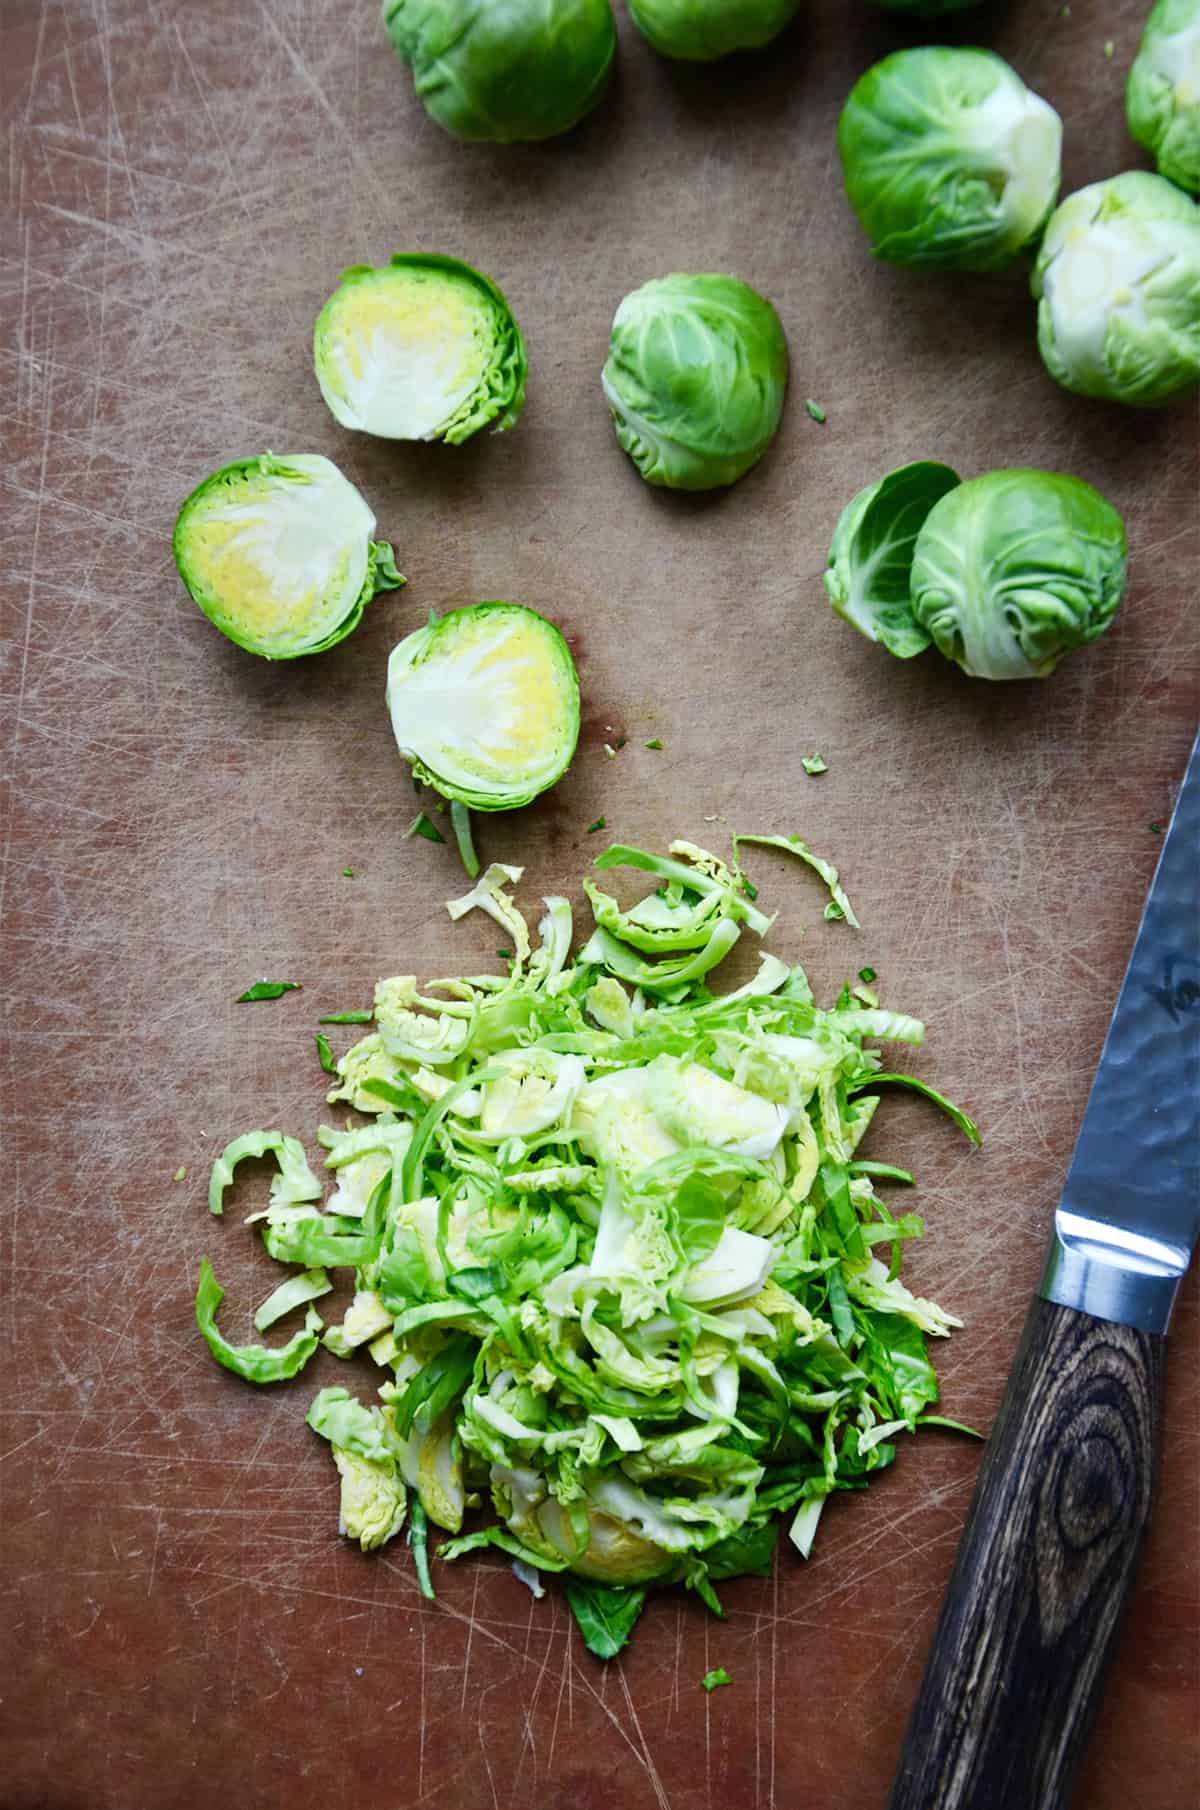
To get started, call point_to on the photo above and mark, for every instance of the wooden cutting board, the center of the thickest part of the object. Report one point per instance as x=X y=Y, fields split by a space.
x=181 y=1623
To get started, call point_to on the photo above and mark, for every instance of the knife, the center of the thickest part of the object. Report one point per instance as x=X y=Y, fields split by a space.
x=1056 y=1522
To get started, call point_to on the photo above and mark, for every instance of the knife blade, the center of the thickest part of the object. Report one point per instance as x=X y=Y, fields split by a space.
x=1052 y=1536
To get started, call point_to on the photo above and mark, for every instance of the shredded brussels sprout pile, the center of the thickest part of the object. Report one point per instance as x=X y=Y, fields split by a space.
x=632 y=1291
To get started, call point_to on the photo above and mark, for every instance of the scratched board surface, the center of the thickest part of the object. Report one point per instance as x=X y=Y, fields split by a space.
x=179 y=1621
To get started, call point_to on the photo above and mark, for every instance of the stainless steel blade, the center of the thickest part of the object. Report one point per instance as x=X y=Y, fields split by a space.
x=1130 y=1211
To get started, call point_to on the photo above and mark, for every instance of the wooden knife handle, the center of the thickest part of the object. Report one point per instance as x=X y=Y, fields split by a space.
x=1044 y=1566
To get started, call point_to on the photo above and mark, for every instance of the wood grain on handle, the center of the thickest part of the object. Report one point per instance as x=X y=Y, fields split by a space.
x=1044 y=1566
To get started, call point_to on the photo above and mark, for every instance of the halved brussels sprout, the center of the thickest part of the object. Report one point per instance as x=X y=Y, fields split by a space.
x=1162 y=94
x=278 y=554
x=423 y=348
x=699 y=30
x=485 y=704
x=695 y=378
x=950 y=161
x=1014 y=569
x=504 y=70
x=1118 y=286
x=870 y=561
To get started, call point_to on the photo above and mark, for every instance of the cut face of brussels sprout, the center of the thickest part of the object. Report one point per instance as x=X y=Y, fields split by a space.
x=695 y=379
x=278 y=554
x=1162 y=95
x=1014 y=569
x=949 y=160
x=424 y=348
x=870 y=561
x=504 y=70
x=1118 y=286
x=485 y=704
x=699 y=30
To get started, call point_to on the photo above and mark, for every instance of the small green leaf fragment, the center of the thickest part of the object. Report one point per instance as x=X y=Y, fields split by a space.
x=718 y=1676
x=1109 y=48
x=256 y=1363
x=601 y=823
x=267 y=989
x=814 y=765
x=833 y=912
x=610 y=751
x=346 y=1018
x=1155 y=828
x=867 y=975
x=419 y=1528
x=604 y=1613
x=952 y=1426
x=180 y=1174
x=325 y=1054
x=347 y=873
x=654 y=742
x=423 y=825
x=460 y=823
x=818 y=414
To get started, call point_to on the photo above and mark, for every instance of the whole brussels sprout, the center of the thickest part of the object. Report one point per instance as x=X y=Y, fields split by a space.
x=950 y=161
x=1118 y=286
x=278 y=554
x=697 y=31
x=695 y=378
x=423 y=348
x=1162 y=94
x=1014 y=569
x=504 y=70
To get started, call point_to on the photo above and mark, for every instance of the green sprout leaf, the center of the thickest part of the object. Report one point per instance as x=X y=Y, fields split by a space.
x=267 y=989
x=460 y=823
x=419 y=1527
x=868 y=574
x=712 y=1680
x=423 y=825
x=256 y=1363
x=605 y=1613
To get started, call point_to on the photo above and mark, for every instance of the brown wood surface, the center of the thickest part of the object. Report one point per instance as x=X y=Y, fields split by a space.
x=179 y=1622
x=1042 y=1573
